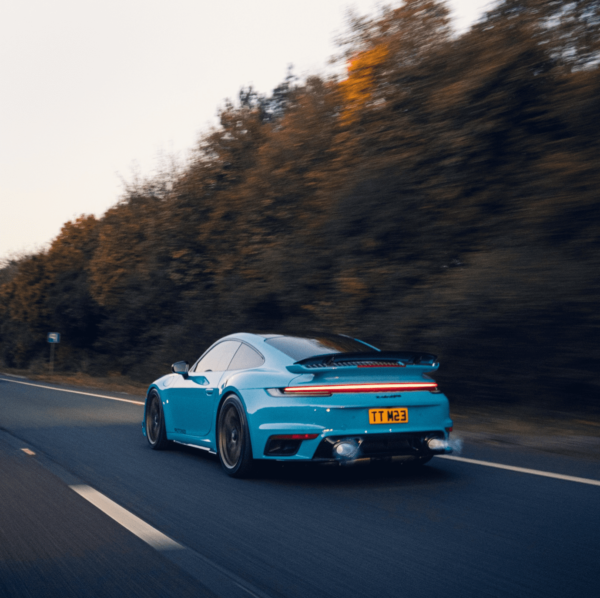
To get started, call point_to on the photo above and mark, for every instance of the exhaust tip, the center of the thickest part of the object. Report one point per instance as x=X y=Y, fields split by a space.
x=346 y=449
x=438 y=445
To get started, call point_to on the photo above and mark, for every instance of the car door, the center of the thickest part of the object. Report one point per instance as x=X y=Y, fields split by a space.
x=192 y=399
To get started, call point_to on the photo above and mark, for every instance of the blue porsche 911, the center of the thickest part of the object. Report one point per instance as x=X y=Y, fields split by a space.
x=310 y=397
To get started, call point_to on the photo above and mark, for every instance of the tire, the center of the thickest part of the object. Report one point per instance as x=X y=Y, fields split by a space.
x=233 y=442
x=155 y=423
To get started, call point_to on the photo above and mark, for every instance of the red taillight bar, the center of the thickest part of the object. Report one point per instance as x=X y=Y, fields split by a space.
x=378 y=387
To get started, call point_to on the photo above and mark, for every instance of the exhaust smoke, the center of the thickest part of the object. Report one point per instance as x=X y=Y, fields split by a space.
x=456 y=444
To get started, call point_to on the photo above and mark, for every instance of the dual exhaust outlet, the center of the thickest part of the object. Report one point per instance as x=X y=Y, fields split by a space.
x=349 y=448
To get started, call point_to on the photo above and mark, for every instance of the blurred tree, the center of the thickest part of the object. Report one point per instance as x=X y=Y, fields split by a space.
x=569 y=29
x=358 y=88
x=442 y=194
x=23 y=311
x=70 y=307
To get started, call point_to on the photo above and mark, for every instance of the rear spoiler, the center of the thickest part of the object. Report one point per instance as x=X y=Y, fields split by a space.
x=368 y=359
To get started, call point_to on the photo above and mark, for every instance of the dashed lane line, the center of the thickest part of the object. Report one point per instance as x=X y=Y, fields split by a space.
x=76 y=392
x=128 y=520
x=163 y=543
x=545 y=474
x=216 y=578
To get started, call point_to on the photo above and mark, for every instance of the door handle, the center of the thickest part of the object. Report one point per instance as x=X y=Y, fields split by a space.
x=209 y=391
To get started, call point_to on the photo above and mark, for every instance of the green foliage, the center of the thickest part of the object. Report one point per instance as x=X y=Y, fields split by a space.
x=442 y=196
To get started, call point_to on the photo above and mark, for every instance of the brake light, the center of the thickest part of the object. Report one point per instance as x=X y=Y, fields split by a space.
x=377 y=387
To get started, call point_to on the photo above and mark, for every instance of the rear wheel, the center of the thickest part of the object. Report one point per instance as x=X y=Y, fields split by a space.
x=155 y=423
x=235 y=449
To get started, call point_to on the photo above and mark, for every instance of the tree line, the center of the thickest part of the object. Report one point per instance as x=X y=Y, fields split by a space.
x=442 y=195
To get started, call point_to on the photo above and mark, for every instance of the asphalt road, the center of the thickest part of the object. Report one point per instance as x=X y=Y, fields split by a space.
x=450 y=529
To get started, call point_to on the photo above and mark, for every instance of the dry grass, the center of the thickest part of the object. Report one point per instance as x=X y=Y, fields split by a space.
x=112 y=382
x=524 y=421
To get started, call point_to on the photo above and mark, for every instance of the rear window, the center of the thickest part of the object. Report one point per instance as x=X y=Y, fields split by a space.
x=300 y=347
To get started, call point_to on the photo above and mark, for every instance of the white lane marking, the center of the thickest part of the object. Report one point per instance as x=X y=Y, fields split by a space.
x=545 y=474
x=76 y=392
x=128 y=520
x=28 y=452
x=152 y=536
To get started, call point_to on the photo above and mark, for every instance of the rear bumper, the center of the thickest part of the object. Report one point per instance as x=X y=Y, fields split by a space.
x=375 y=446
x=332 y=419
x=360 y=446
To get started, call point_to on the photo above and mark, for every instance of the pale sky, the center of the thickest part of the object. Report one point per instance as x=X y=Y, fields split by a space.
x=93 y=89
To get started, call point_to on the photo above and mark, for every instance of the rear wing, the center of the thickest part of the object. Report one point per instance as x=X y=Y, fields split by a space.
x=368 y=359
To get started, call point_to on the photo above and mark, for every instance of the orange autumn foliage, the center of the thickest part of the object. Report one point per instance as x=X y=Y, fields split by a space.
x=357 y=89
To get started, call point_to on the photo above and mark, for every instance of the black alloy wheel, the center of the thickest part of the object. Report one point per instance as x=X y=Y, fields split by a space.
x=155 y=423
x=235 y=449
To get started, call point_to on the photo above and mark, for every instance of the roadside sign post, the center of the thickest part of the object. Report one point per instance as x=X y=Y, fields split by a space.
x=53 y=339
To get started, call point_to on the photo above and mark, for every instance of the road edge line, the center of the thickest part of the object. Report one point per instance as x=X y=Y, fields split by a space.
x=546 y=474
x=77 y=392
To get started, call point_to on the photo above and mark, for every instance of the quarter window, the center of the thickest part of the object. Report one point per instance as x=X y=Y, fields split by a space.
x=245 y=358
x=218 y=358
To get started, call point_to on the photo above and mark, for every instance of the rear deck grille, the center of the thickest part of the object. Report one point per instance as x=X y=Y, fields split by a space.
x=342 y=364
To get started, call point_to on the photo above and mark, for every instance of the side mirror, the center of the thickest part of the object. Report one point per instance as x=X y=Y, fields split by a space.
x=180 y=367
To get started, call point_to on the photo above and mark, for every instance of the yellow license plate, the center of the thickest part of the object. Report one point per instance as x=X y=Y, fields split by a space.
x=394 y=415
